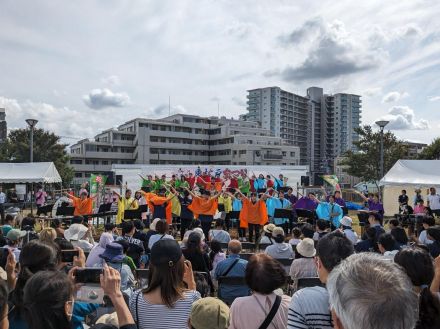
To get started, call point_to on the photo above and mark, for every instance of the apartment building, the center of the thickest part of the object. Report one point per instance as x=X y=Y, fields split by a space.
x=3 y=125
x=321 y=125
x=181 y=140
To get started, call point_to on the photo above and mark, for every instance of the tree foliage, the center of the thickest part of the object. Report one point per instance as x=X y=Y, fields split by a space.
x=432 y=151
x=365 y=163
x=47 y=148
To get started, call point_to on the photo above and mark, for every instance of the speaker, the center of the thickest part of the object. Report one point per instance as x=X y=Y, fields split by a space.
x=119 y=180
x=305 y=180
x=317 y=179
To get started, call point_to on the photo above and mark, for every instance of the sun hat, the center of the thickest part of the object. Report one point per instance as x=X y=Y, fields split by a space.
x=165 y=251
x=269 y=228
x=306 y=248
x=113 y=253
x=153 y=224
x=14 y=234
x=277 y=231
x=75 y=232
x=200 y=232
x=209 y=313
x=346 y=221
x=109 y=319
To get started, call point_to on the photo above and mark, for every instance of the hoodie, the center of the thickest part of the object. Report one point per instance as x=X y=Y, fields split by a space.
x=93 y=258
x=280 y=250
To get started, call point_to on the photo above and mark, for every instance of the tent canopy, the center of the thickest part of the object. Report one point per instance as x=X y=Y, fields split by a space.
x=413 y=172
x=36 y=172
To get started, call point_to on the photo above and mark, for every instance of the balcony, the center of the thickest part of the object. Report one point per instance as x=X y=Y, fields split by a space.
x=272 y=156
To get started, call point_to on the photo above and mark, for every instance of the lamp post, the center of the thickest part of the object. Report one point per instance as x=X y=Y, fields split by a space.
x=31 y=123
x=381 y=125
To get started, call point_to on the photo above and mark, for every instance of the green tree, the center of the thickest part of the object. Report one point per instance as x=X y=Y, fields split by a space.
x=432 y=151
x=47 y=148
x=365 y=163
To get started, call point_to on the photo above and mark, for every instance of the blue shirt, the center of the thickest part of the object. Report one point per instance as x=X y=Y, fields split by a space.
x=279 y=204
x=229 y=293
x=325 y=209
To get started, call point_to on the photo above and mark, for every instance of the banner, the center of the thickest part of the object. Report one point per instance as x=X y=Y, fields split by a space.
x=97 y=184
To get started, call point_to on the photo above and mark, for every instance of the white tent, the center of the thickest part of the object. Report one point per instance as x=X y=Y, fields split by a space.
x=36 y=172
x=408 y=175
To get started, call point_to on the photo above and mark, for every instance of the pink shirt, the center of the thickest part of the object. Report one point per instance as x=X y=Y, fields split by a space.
x=247 y=312
x=419 y=209
x=40 y=197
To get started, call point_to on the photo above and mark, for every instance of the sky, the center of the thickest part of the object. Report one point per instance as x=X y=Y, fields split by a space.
x=83 y=66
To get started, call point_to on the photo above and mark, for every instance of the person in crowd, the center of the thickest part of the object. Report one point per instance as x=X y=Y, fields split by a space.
x=139 y=232
x=204 y=207
x=279 y=249
x=77 y=234
x=9 y=223
x=162 y=230
x=166 y=302
x=346 y=227
x=322 y=228
x=57 y=225
x=307 y=202
x=291 y=197
x=260 y=184
x=433 y=233
x=434 y=201
x=420 y=208
x=393 y=223
x=296 y=236
x=369 y=243
x=304 y=265
x=399 y=234
x=35 y=257
x=12 y=196
x=329 y=211
x=49 y=303
x=263 y=275
x=152 y=231
x=388 y=246
x=253 y=214
x=273 y=203
x=209 y=313
x=114 y=256
x=136 y=247
x=311 y=305
x=14 y=239
x=338 y=199
x=307 y=231
x=267 y=234
x=233 y=266
x=374 y=204
x=99 y=249
x=163 y=204
x=418 y=265
x=4 y=309
x=366 y=292
x=2 y=204
x=195 y=254
x=403 y=200
x=48 y=235
x=375 y=221
x=125 y=203
x=28 y=224
x=427 y=222
x=62 y=244
x=225 y=202
x=40 y=196
x=111 y=229
x=83 y=205
x=219 y=233
x=127 y=259
x=417 y=197
x=216 y=255
x=186 y=216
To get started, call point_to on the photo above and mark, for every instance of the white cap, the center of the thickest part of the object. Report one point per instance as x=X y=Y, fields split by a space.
x=346 y=221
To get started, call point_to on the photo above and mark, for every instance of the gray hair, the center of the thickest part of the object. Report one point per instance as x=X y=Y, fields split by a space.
x=368 y=292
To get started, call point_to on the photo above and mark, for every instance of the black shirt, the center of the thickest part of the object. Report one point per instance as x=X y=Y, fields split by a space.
x=200 y=261
x=403 y=199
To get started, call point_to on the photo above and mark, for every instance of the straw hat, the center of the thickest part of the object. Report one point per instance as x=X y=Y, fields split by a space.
x=268 y=228
x=306 y=248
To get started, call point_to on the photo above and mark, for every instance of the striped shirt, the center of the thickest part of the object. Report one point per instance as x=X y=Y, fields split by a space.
x=160 y=316
x=309 y=309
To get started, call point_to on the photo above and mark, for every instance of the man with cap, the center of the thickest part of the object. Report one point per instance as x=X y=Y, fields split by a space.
x=209 y=313
x=304 y=265
x=346 y=227
x=14 y=238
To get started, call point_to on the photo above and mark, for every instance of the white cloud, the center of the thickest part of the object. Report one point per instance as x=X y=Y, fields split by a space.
x=434 y=98
x=102 y=98
x=62 y=121
x=394 y=96
x=112 y=80
x=371 y=92
x=403 y=118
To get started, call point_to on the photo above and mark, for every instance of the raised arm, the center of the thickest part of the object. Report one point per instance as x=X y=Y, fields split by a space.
x=191 y=192
x=361 y=195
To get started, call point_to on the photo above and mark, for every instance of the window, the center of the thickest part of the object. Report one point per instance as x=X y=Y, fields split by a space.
x=284 y=153
x=242 y=152
x=104 y=162
x=78 y=175
x=76 y=161
x=292 y=154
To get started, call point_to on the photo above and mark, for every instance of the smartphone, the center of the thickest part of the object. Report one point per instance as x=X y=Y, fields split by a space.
x=67 y=255
x=88 y=275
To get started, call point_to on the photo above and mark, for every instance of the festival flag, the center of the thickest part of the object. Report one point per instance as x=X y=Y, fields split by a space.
x=97 y=183
x=332 y=180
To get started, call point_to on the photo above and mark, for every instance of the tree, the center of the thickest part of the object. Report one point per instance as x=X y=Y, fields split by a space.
x=432 y=151
x=365 y=163
x=47 y=148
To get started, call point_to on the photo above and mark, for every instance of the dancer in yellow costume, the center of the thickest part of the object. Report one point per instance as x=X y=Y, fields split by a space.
x=125 y=203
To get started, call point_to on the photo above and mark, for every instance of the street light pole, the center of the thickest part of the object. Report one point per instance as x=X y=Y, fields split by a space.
x=31 y=123
x=381 y=125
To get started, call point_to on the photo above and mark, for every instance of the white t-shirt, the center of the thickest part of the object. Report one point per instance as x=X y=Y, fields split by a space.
x=423 y=238
x=219 y=235
x=434 y=201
